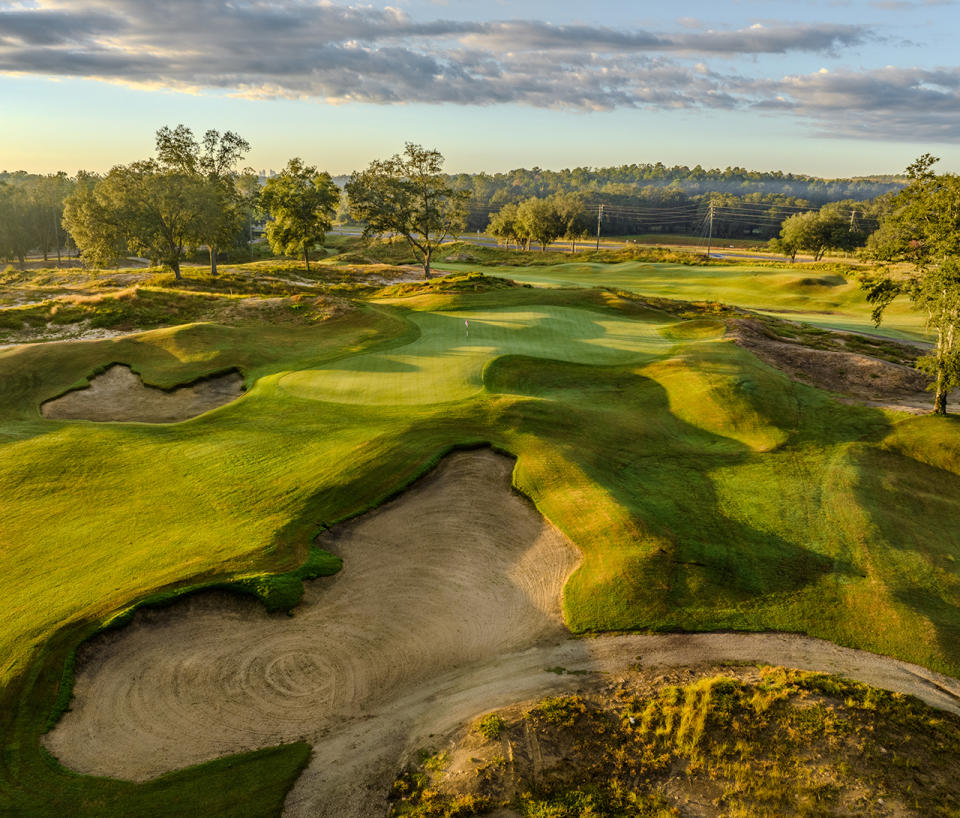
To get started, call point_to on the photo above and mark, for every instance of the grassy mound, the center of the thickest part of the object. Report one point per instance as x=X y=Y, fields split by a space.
x=455 y=283
x=766 y=742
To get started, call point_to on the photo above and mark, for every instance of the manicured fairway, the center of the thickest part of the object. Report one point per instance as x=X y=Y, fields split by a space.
x=821 y=299
x=705 y=489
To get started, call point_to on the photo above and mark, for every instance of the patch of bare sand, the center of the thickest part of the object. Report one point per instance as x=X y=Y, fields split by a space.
x=118 y=394
x=861 y=378
x=448 y=606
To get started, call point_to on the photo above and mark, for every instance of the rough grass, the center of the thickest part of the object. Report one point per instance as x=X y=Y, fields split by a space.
x=705 y=489
x=767 y=742
x=140 y=308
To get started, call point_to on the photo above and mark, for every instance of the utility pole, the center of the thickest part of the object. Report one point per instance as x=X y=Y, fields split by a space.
x=599 y=218
x=710 y=233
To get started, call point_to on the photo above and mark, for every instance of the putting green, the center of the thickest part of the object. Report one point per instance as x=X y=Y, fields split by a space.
x=446 y=362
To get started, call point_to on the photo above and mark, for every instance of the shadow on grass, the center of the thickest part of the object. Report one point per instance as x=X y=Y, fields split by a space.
x=617 y=427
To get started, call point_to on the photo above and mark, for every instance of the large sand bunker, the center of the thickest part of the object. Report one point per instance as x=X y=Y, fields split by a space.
x=118 y=394
x=457 y=572
x=448 y=606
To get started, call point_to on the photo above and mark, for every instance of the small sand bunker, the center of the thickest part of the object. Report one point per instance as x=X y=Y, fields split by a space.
x=118 y=394
x=458 y=571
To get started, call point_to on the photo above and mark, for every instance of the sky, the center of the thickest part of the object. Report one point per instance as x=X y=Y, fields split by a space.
x=823 y=87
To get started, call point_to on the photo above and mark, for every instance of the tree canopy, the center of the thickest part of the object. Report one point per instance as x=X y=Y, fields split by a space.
x=141 y=208
x=817 y=232
x=544 y=220
x=213 y=162
x=31 y=212
x=301 y=203
x=922 y=227
x=410 y=196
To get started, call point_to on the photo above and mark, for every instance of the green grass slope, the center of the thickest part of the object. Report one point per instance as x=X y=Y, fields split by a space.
x=705 y=489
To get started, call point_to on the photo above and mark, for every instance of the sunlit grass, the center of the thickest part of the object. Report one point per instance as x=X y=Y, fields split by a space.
x=705 y=489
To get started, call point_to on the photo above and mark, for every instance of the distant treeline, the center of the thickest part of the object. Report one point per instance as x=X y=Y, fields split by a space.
x=31 y=214
x=654 y=198
x=625 y=200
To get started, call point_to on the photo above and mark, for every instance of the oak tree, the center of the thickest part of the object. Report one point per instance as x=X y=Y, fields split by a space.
x=408 y=195
x=213 y=161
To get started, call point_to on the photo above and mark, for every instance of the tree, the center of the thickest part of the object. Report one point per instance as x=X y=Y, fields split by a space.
x=410 y=196
x=16 y=235
x=921 y=226
x=816 y=232
x=301 y=203
x=46 y=199
x=214 y=161
x=506 y=226
x=93 y=226
x=141 y=208
x=541 y=221
x=572 y=215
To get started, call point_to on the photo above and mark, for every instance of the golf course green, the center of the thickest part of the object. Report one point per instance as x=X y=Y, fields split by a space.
x=705 y=489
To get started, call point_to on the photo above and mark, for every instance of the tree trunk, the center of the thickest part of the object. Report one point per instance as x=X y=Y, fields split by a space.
x=306 y=257
x=23 y=260
x=940 y=399
x=213 y=261
x=426 y=266
x=175 y=264
x=940 y=396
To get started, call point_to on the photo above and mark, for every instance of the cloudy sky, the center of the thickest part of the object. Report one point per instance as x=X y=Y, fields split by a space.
x=828 y=87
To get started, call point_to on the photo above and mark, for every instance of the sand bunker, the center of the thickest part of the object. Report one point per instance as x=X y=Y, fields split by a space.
x=458 y=571
x=448 y=606
x=118 y=394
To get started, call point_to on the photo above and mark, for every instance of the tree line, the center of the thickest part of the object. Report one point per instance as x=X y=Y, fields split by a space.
x=31 y=214
x=220 y=199
x=193 y=194
x=660 y=186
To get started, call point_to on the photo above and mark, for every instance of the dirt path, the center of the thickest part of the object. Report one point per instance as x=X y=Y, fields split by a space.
x=118 y=394
x=447 y=607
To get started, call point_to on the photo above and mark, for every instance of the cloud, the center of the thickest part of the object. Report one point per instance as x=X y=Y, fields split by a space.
x=48 y=28
x=908 y=5
x=343 y=53
x=890 y=103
